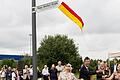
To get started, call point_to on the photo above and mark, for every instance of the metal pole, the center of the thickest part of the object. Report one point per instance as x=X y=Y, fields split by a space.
x=34 y=50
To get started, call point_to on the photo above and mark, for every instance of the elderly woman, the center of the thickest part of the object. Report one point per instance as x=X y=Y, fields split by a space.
x=67 y=74
x=115 y=75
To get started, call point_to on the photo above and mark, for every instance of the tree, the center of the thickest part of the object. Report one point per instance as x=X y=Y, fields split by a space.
x=25 y=61
x=9 y=62
x=58 y=48
x=93 y=64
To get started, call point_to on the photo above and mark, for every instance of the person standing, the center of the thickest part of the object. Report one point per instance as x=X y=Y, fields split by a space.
x=9 y=74
x=103 y=72
x=14 y=75
x=45 y=73
x=53 y=73
x=85 y=71
x=39 y=73
x=114 y=66
x=67 y=74
x=3 y=74
x=18 y=74
x=26 y=73
x=59 y=67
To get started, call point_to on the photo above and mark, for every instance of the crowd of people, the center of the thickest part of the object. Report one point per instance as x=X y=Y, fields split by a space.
x=103 y=71
x=58 y=72
x=64 y=72
x=8 y=73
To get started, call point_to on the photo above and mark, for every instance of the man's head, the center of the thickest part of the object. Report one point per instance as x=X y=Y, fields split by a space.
x=53 y=65
x=9 y=68
x=59 y=62
x=45 y=66
x=86 y=61
x=26 y=66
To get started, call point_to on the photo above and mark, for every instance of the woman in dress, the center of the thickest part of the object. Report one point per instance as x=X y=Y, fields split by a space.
x=67 y=74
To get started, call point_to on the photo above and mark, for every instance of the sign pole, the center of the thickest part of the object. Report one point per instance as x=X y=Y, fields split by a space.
x=34 y=42
x=34 y=50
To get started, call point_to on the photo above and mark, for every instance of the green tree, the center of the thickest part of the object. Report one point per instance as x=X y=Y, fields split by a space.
x=93 y=64
x=9 y=62
x=59 y=47
x=25 y=61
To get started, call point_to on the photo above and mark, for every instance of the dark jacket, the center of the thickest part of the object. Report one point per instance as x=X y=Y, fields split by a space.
x=85 y=73
x=8 y=75
x=53 y=74
x=112 y=68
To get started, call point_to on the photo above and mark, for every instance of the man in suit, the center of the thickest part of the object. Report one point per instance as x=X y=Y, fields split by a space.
x=114 y=66
x=85 y=71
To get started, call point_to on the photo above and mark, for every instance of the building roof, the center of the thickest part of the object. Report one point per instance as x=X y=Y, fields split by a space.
x=114 y=55
x=15 y=57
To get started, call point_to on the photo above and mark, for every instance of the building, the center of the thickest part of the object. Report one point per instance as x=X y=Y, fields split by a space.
x=15 y=57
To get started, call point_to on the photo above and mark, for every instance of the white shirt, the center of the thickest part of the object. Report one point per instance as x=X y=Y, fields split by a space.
x=26 y=71
x=98 y=66
x=45 y=72
x=3 y=74
x=13 y=75
x=31 y=71
x=59 y=68
x=87 y=68
x=115 y=67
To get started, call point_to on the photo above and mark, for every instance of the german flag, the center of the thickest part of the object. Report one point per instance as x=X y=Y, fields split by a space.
x=71 y=14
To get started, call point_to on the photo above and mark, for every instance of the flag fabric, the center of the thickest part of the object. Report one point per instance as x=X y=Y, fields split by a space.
x=71 y=14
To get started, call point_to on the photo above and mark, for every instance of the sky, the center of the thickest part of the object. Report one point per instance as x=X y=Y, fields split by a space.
x=100 y=35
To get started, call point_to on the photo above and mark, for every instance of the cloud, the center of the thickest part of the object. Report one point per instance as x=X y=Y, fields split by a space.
x=99 y=16
x=100 y=33
x=97 y=46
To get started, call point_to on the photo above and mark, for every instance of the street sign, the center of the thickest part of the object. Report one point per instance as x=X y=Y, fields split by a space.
x=46 y=6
